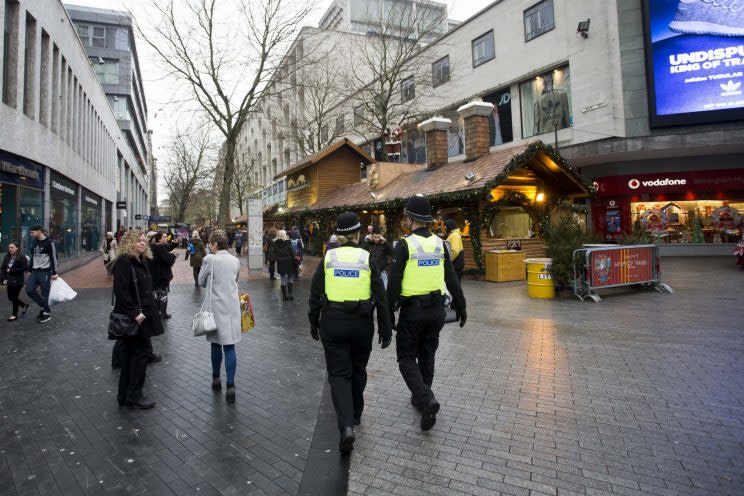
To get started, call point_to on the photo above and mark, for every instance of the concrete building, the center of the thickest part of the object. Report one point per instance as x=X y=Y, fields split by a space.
x=574 y=74
x=64 y=161
x=364 y=16
x=109 y=41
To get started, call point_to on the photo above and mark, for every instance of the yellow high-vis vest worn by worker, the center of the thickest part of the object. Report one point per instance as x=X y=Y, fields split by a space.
x=424 y=271
x=347 y=274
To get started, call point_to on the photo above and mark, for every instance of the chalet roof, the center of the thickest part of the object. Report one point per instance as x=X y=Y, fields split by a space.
x=325 y=152
x=450 y=178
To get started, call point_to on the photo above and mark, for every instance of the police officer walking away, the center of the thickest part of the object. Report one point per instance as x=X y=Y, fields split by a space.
x=346 y=288
x=421 y=267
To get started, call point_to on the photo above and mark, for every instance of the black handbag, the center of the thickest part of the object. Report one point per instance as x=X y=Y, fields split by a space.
x=122 y=325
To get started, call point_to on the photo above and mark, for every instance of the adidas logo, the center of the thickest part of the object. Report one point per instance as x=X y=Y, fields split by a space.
x=730 y=88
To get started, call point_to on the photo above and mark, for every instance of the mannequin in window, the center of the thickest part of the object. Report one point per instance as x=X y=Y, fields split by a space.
x=551 y=108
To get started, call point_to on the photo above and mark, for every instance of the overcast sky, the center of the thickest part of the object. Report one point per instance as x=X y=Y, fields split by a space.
x=159 y=90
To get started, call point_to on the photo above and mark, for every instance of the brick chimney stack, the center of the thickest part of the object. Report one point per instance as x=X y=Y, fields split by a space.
x=436 y=140
x=477 y=128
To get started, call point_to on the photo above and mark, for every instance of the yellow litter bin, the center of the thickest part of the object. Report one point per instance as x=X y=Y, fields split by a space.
x=539 y=279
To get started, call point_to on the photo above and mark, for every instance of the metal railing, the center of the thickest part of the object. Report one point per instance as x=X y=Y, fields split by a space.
x=599 y=267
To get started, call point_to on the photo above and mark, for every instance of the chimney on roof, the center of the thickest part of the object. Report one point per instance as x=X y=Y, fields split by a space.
x=477 y=128
x=436 y=140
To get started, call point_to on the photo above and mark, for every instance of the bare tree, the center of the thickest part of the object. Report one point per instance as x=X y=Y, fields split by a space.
x=243 y=184
x=400 y=71
x=188 y=169
x=225 y=55
x=317 y=121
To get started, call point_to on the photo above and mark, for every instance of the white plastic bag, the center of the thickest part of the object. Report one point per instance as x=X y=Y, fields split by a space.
x=60 y=292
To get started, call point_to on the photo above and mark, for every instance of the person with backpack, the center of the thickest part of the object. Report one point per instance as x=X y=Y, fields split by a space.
x=195 y=253
x=297 y=248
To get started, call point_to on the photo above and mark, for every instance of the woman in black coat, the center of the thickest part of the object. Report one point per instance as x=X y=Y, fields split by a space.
x=162 y=271
x=281 y=251
x=138 y=303
x=15 y=265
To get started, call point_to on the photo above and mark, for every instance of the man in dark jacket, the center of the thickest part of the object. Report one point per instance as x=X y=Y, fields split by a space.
x=43 y=267
x=380 y=250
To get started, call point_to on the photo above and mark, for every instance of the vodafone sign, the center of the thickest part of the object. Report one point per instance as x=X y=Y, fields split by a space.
x=672 y=182
x=635 y=183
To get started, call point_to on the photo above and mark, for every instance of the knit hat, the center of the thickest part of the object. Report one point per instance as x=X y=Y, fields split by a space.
x=450 y=224
x=347 y=223
x=418 y=208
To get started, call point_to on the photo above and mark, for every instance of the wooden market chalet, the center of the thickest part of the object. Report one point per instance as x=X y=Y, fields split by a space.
x=529 y=177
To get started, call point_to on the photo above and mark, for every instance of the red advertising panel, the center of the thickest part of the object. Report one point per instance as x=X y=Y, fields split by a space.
x=632 y=265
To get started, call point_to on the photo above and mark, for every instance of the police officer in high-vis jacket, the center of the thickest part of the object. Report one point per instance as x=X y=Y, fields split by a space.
x=420 y=271
x=346 y=289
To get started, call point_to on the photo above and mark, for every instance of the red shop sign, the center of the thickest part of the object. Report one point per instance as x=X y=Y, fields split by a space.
x=619 y=267
x=672 y=182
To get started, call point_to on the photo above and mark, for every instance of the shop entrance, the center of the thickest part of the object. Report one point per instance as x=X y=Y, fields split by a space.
x=20 y=208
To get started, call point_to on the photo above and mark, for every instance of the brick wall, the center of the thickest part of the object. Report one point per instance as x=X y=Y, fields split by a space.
x=436 y=148
x=477 y=136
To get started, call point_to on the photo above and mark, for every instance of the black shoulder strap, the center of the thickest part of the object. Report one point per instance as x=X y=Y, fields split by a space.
x=136 y=288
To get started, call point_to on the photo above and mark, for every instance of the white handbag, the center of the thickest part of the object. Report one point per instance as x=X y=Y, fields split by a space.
x=204 y=322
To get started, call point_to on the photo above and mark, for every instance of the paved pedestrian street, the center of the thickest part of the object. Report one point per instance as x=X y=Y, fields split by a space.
x=642 y=393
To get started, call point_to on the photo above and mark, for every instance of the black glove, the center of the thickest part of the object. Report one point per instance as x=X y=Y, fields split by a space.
x=462 y=316
x=385 y=341
x=314 y=332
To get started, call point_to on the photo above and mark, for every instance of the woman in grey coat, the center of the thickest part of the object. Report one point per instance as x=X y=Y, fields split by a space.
x=225 y=308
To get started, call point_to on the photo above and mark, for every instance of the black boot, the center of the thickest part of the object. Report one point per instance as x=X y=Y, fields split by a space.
x=290 y=296
x=347 y=441
x=284 y=292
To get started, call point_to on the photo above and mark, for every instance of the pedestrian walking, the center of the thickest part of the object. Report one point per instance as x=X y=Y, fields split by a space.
x=133 y=296
x=223 y=270
x=281 y=251
x=381 y=251
x=298 y=247
x=43 y=267
x=238 y=242
x=454 y=241
x=195 y=253
x=161 y=266
x=420 y=270
x=12 y=274
x=109 y=252
x=270 y=238
x=346 y=289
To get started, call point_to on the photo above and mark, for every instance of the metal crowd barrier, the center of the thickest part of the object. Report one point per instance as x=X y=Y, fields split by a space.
x=608 y=266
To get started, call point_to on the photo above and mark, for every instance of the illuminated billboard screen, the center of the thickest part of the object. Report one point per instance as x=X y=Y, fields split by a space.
x=694 y=61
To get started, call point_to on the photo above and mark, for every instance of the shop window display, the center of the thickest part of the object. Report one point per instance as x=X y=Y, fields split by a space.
x=511 y=222
x=691 y=221
x=90 y=222
x=63 y=217
x=31 y=210
x=546 y=103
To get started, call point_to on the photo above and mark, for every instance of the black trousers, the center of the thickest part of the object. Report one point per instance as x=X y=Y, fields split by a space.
x=196 y=271
x=347 y=342
x=132 y=355
x=237 y=250
x=14 y=291
x=272 y=268
x=416 y=344
x=115 y=357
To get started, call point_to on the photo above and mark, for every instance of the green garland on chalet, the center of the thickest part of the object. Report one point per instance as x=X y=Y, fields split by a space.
x=468 y=200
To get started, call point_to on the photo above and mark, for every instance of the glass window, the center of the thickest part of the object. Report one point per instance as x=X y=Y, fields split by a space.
x=359 y=115
x=500 y=120
x=510 y=222
x=440 y=71
x=120 y=107
x=340 y=124
x=8 y=202
x=63 y=216
x=407 y=89
x=546 y=103
x=483 y=49
x=99 y=37
x=31 y=210
x=121 y=41
x=324 y=133
x=690 y=221
x=90 y=222
x=107 y=72
x=83 y=33
x=538 y=19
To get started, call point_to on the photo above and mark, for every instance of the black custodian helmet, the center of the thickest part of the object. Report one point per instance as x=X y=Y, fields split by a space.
x=418 y=208
x=347 y=223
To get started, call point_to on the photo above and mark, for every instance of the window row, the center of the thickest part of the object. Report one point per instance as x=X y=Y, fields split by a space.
x=48 y=91
x=93 y=36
